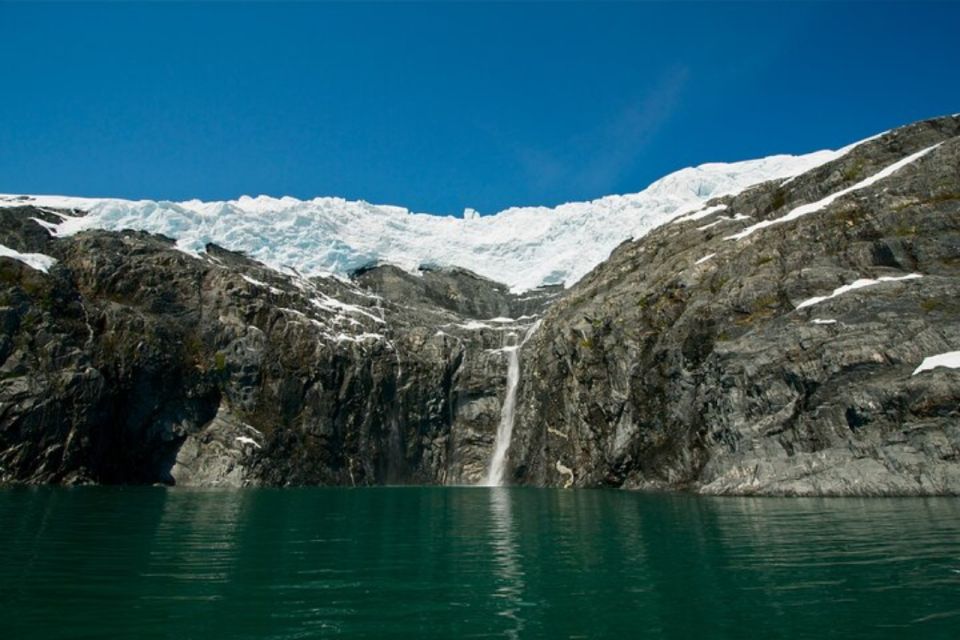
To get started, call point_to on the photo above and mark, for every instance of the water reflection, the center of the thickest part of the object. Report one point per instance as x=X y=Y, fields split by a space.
x=506 y=558
x=197 y=529
x=465 y=563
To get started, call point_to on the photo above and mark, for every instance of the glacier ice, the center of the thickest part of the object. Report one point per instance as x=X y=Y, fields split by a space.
x=523 y=247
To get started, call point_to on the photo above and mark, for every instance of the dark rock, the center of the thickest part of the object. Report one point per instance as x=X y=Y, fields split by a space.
x=662 y=371
x=457 y=290
x=133 y=362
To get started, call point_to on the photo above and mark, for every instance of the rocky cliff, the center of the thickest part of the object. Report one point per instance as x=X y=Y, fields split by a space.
x=768 y=344
x=765 y=344
x=131 y=361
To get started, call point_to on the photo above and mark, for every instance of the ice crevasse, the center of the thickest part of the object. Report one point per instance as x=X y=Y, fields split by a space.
x=523 y=247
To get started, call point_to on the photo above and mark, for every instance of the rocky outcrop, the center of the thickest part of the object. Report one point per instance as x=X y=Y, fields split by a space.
x=767 y=344
x=215 y=455
x=131 y=361
x=457 y=290
x=699 y=357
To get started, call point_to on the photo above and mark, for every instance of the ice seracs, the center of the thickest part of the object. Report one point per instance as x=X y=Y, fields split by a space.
x=523 y=247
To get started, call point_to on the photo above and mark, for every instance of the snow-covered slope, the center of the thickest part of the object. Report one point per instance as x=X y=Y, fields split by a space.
x=522 y=247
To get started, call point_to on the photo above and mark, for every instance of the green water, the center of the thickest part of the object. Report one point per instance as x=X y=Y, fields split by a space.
x=470 y=563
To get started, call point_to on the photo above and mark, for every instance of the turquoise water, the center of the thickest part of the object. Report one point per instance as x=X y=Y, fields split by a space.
x=472 y=563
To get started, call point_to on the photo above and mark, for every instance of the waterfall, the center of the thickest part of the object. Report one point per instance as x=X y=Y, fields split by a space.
x=498 y=462
x=505 y=428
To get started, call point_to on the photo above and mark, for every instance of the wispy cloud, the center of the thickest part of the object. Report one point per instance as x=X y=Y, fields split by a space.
x=593 y=161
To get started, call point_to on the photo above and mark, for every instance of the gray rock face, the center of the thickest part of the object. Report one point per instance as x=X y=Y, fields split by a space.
x=689 y=360
x=666 y=368
x=456 y=290
x=217 y=454
x=133 y=362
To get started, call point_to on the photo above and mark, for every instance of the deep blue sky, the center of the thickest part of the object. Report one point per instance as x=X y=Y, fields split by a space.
x=439 y=107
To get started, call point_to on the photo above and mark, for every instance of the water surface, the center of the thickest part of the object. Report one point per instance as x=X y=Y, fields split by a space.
x=469 y=563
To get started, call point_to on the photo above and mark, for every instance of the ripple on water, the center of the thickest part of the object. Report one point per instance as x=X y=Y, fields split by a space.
x=442 y=563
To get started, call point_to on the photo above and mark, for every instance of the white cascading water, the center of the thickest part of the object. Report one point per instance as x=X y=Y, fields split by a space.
x=505 y=429
x=498 y=462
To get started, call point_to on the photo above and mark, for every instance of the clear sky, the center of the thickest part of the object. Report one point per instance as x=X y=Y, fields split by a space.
x=438 y=107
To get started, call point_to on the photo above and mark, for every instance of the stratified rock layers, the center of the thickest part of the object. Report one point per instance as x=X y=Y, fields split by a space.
x=689 y=359
x=698 y=357
x=134 y=362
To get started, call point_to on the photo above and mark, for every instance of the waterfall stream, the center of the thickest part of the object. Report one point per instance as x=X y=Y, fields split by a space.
x=505 y=428
x=498 y=462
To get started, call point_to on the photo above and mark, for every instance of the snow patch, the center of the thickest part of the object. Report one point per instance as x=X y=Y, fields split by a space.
x=812 y=207
x=705 y=258
x=735 y=218
x=274 y=290
x=49 y=226
x=293 y=311
x=702 y=213
x=951 y=360
x=474 y=325
x=38 y=261
x=856 y=284
x=359 y=337
x=246 y=440
x=332 y=304
x=253 y=281
x=823 y=321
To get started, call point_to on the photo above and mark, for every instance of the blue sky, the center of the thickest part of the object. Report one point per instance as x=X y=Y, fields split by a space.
x=438 y=107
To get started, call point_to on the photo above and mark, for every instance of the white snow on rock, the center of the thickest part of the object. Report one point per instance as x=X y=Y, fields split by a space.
x=823 y=321
x=524 y=247
x=804 y=209
x=737 y=218
x=49 y=226
x=951 y=360
x=705 y=258
x=702 y=213
x=327 y=303
x=246 y=440
x=856 y=284
x=37 y=261
x=259 y=283
x=359 y=337
x=253 y=281
x=474 y=325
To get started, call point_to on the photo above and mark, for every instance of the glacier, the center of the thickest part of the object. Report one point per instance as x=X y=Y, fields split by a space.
x=522 y=247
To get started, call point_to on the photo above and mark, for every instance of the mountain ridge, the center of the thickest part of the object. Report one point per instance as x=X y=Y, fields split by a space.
x=813 y=355
x=522 y=247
